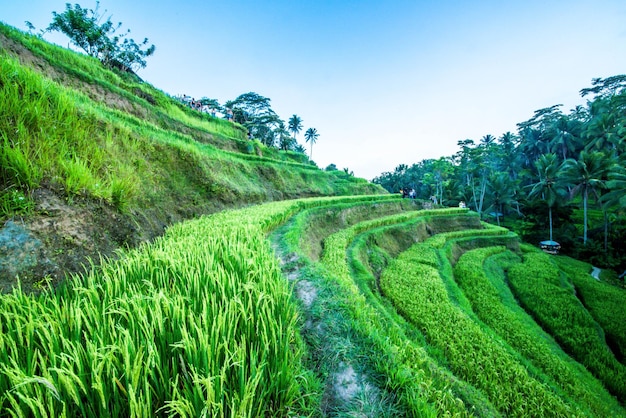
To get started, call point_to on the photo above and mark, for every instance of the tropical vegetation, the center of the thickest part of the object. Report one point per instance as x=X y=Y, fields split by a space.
x=274 y=288
x=547 y=180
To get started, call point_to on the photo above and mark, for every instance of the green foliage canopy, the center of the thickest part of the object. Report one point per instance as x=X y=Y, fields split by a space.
x=100 y=40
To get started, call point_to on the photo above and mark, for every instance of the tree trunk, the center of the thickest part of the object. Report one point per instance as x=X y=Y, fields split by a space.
x=606 y=232
x=550 y=217
x=474 y=197
x=483 y=190
x=585 y=217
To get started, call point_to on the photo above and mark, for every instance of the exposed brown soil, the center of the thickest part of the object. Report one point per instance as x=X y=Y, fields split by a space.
x=60 y=238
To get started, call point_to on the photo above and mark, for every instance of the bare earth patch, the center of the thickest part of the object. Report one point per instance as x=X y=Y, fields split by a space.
x=306 y=292
x=61 y=238
x=345 y=382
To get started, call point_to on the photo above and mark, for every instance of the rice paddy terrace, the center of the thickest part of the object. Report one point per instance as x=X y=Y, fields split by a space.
x=340 y=306
x=360 y=305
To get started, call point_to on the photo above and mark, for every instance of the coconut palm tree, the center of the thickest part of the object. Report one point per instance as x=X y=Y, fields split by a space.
x=614 y=195
x=311 y=136
x=548 y=186
x=617 y=186
x=501 y=190
x=565 y=136
x=295 y=125
x=587 y=174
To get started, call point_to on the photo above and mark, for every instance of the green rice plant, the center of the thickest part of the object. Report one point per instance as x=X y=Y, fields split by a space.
x=475 y=355
x=198 y=322
x=468 y=396
x=407 y=367
x=549 y=297
x=493 y=303
x=309 y=228
x=401 y=366
x=603 y=301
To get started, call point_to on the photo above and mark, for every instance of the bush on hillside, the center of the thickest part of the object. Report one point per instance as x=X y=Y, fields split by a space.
x=99 y=40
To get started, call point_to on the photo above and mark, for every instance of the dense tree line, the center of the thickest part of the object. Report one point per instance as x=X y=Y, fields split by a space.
x=255 y=113
x=537 y=181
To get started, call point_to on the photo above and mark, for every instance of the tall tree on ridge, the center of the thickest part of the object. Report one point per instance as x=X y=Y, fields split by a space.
x=255 y=113
x=502 y=191
x=295 y=125
x=564 y=136
x=548 y=186
x=587 y=174
x=311 y=136
x=285 y=142
x=617 y=186
x=100 y=40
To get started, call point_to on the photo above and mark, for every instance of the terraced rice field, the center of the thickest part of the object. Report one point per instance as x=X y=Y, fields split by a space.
x=351 y=306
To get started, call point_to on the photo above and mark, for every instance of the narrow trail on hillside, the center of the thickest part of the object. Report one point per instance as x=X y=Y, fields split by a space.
x=347 y=391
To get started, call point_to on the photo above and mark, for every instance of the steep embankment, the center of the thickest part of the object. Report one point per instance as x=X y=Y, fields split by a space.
x=94 y=160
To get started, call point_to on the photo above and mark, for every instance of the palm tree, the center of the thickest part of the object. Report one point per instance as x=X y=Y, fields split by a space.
x=501 y=189
x=614 y=194
x=547 y=187
x=565 y=137
x=617 y=187
x=508 y=155
x=295 y=125
x=587 y=174
x=487 y=139
x=285 y=142
x=311 y=136
x=532 y=145
x=601 y=132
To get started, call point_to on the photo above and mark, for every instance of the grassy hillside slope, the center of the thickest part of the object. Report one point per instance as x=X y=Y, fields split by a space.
x=93 y=160
x=360 y=305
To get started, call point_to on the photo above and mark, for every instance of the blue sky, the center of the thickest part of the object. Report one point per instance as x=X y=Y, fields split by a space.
x=383 y=82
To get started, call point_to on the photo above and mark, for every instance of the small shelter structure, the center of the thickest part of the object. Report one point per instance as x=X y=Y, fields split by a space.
x=550 y=247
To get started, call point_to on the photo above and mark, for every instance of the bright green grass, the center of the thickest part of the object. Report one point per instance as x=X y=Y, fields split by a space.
x=61 y=137
x=484 y=283
x=160 y=109
x=200 y=322
x=606 y=303
x=550 y=298
x=421 y=293
x=115 y=139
